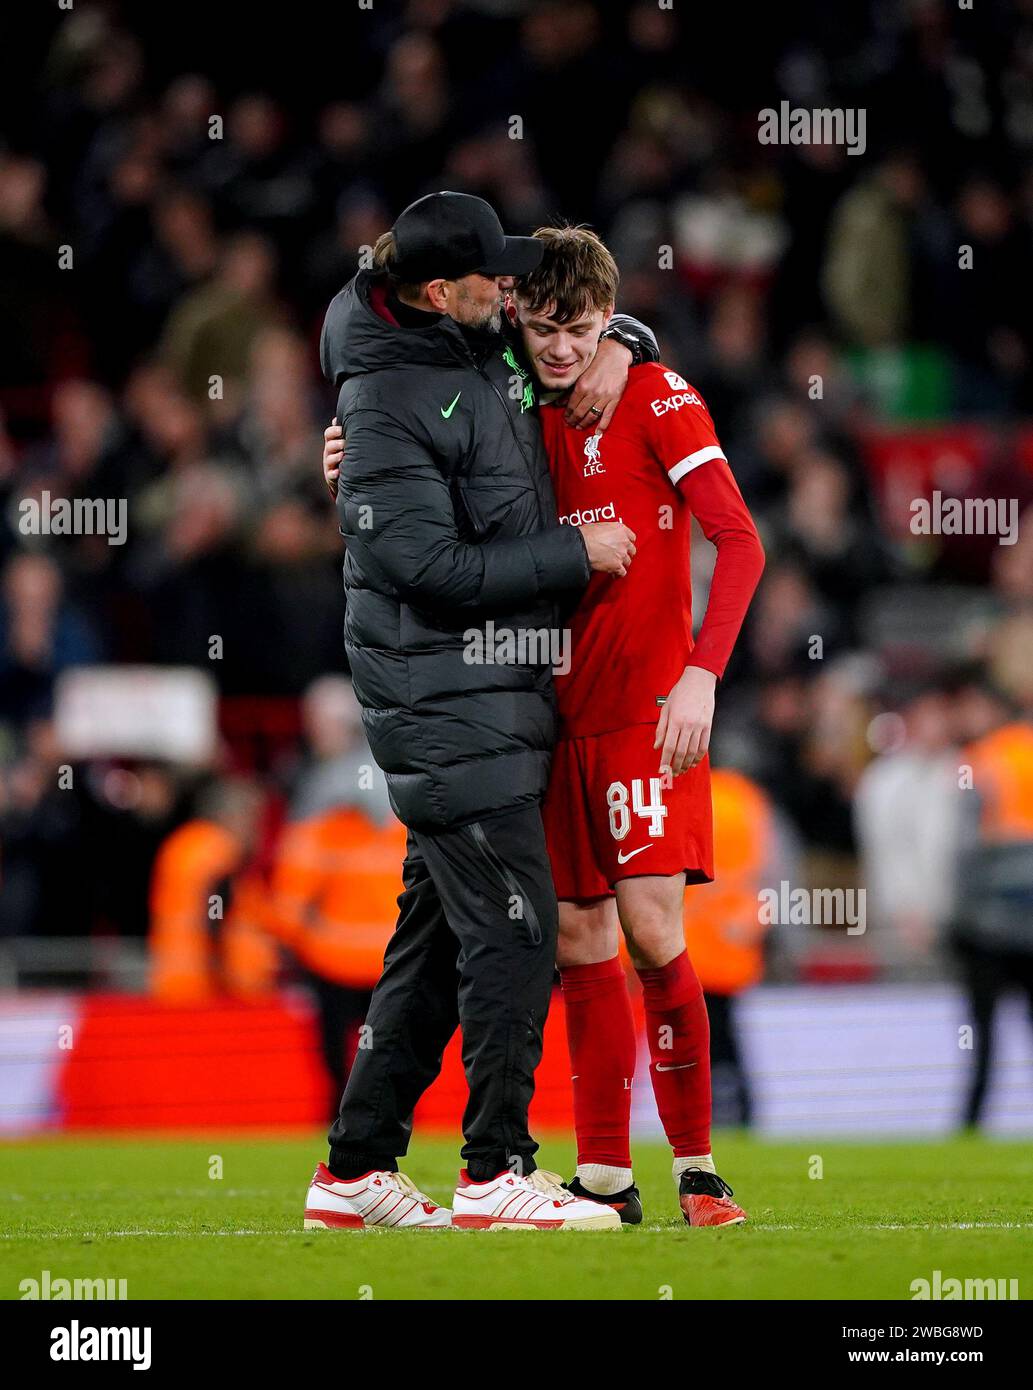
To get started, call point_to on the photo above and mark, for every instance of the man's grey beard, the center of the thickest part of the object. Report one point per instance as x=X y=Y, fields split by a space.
x=489 y=322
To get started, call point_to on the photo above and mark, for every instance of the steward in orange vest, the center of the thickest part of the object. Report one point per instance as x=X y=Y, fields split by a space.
x=335 y=887
x=723 y=932
x=207 y=914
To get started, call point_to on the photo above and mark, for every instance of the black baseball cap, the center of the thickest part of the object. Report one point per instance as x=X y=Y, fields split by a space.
x=448 y=235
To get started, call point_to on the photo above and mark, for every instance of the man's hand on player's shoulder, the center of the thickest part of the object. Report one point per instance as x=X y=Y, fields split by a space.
x=597 y=392
x=683 y=729
x=333 y=455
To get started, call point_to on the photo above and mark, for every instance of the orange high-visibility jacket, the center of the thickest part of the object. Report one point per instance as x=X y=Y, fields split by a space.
x=335 y=887
x=201 y=946
x=1002 y=778
x=723 y=933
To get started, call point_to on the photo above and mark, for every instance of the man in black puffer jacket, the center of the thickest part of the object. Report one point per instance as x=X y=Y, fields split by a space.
x=453 y=543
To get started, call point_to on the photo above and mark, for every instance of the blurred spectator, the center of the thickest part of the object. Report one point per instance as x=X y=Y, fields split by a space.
x=255 y=176
x=993 y=932
x=33 y=314
x=335 y=255
x=817 y=376
x=985 y=306
x=336 y=879
x=209 y=335
x=819 y=524
x=789 y=622
x=185 y=111
x=410 y=118
x=182 y=255
x=907 y=810
x=209 y=909
x=43 y=888
x=337 y=769
x=808 y=752
x=735 y=372
x=560 y=54
x=41 y=634
x=343 y=150
x=868 y=267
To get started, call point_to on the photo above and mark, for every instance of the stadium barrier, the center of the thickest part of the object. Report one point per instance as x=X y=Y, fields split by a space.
x=850 y=1060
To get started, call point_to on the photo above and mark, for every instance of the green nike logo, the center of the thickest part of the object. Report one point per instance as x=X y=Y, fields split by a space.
x=527 y=399
x=446 y=413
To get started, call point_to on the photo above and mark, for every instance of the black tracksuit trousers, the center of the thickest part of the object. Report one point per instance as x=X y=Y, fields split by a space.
x=475 y=945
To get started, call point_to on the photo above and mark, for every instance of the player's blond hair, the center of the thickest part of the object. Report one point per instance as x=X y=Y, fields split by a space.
x=577 y=274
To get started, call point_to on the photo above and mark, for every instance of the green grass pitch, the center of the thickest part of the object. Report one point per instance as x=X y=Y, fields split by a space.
x=146 y=1209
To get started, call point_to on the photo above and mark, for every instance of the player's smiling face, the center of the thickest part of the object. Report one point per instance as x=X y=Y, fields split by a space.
x=558 y=352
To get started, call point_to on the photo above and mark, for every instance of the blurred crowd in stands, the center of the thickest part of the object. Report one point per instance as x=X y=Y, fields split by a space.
x=815 y=298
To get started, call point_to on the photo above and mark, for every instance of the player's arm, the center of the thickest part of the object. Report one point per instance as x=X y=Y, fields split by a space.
x=686 y=445
x=625 y=343
x=397 y=512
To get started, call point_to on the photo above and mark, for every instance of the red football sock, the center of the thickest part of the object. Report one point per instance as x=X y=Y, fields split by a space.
x=678 y=1032
x=601 y=1038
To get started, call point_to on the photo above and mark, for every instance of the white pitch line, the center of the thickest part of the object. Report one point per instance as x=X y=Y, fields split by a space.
x=130 y=1235
x=902 y=1226
x=880 y=1226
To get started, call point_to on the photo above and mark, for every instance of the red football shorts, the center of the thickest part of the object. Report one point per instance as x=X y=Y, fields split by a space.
x=609 y=815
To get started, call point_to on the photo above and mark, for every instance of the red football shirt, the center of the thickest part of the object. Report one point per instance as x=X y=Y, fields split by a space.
x=658 y=464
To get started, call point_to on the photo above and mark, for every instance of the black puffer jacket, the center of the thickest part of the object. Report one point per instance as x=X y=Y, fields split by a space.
x=447 y=509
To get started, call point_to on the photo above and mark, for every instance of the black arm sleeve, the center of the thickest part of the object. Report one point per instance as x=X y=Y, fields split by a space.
x=636 y=337
x=396 y=509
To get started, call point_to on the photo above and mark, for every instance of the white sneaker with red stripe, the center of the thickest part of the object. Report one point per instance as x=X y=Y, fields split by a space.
x=383 y=1199
x=538 y=1202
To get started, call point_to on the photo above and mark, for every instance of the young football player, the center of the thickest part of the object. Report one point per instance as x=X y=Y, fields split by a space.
x=628 y=813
